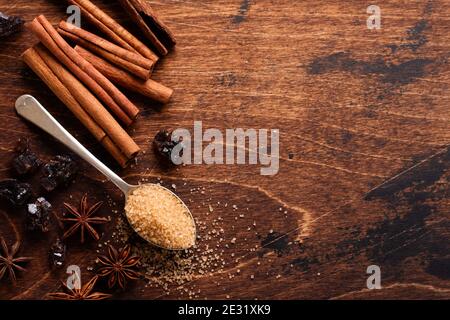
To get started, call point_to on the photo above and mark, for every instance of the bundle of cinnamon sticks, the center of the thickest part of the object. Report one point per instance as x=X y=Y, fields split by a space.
x=82 y=103
x=84 y=77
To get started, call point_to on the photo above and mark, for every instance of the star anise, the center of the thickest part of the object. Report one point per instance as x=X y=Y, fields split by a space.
x=9 y=262
x=83 y=219
x=119 y=266
x=83 y=293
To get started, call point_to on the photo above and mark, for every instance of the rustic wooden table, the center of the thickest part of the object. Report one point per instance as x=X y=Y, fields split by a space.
x=354 y=106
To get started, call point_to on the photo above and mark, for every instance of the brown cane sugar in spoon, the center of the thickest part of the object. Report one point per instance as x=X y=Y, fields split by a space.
x=160 y=217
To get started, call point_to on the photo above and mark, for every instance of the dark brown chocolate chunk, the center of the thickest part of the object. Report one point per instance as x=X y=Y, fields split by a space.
x=58 y=172
x=163 y=145
x=38 y=215
x=9 y=25
x=26 y=160
x=15 y=192
x=57 y=254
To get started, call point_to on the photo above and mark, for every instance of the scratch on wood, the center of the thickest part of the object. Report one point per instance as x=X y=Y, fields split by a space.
x=277 y=242
x=429 y=169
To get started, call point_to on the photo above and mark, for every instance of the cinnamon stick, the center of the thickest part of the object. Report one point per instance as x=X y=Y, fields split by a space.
x=126 y=105
x=92 y=78
x=113 y=29
x=128 y=60
x=38 y=65
x=149 y=88
x=153 y=28
x=92 y=106
x=46 y=40
x=35 y=62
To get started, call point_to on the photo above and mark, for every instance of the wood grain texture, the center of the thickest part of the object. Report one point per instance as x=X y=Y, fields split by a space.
x=354 y=108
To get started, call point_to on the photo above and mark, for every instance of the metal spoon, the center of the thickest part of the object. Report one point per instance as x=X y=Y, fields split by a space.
x=29 y=108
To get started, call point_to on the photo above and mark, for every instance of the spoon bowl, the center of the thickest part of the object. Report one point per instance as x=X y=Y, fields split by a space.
x=30 y=109
x=168 y=192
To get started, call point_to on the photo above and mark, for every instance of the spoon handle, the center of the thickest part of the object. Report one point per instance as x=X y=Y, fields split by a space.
x=29 y=108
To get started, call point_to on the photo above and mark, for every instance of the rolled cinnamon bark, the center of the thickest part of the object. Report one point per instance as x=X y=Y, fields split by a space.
x=91 y=77
x=92 y=106
x=156 y=31
x=149 y=88
x=40 y=67
x=113 y=29
x=126 y=59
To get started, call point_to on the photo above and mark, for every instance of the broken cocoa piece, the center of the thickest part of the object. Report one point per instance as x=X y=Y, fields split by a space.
x=26 y=160
x=57 y=254
x=58 y=172
x=38 y=215
x=15 y=192
x=163 y=145
x=9 y=25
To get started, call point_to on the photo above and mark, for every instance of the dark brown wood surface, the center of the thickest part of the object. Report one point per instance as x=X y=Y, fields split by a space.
x=354 y=106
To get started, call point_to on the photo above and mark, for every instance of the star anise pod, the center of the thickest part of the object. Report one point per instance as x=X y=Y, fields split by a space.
x=119 y=266
x=83 y=219
x=9 y=262
x=83 y=293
